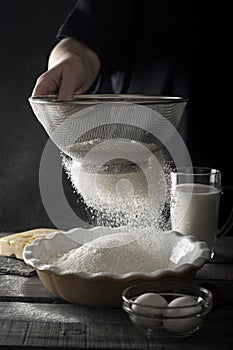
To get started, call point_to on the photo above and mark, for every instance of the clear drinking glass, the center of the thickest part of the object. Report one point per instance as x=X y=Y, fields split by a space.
x=195 y=202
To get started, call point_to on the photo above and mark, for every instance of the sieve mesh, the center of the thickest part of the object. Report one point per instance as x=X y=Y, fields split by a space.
x=141 y=118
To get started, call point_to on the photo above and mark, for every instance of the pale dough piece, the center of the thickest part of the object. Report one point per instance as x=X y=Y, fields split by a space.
x=14 y=244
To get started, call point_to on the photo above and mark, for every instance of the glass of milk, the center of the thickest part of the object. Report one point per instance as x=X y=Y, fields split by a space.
x=195 y=199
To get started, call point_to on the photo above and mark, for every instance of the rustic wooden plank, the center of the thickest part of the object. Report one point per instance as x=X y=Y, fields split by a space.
x=80 y=335
x=216 y=272
x=48 y=312
x=41 y=334
x=224 y=250
x=21 y=289
x=72 y=335
x=17 y=288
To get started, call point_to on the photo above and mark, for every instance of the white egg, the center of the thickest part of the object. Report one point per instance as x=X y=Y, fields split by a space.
x=148 y=306
x=182 y=324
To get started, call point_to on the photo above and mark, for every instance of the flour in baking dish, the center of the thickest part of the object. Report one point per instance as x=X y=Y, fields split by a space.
x=114 y=253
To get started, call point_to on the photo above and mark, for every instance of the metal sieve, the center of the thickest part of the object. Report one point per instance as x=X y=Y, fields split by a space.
x=73 y=125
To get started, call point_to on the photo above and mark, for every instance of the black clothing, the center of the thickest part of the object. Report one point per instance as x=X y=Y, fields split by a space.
x=157 y=47
x=146 y=46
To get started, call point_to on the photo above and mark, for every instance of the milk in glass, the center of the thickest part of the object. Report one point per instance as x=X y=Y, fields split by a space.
x=194 y=211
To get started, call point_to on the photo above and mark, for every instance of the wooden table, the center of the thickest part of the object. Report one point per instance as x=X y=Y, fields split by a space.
x=31 y=317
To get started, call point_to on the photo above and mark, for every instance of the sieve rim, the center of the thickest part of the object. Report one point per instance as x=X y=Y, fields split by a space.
x=111 y=98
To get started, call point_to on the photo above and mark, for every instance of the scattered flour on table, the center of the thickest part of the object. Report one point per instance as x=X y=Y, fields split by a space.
x=114 y=253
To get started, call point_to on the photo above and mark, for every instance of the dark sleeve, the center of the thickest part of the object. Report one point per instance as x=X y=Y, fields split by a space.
x=103 y=25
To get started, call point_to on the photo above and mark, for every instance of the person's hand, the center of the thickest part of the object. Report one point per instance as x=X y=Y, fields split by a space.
x=72 y=70
x=68 y=77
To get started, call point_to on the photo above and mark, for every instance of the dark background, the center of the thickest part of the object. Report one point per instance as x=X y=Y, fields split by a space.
x=28 y=33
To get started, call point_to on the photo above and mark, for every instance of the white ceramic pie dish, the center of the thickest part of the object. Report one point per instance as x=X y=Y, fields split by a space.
x=182 y=256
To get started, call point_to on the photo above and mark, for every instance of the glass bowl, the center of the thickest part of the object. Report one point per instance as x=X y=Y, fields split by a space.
x=167 y=309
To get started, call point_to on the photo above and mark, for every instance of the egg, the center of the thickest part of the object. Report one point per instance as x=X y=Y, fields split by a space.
x=188 y=306
x=148 y=306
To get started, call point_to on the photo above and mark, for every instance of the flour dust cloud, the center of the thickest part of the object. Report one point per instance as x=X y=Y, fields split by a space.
x=121 y=192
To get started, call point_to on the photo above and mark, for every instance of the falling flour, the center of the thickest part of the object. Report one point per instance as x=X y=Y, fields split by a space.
x=121 y=192
x=114 y=253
